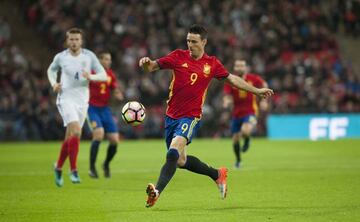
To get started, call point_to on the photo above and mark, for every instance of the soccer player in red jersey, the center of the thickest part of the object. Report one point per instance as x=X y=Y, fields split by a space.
x=192 y=72
x=245 y=108
x=100 y=117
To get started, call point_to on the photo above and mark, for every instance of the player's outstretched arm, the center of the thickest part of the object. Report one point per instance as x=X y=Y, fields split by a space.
x=239 y=83
x=263 y=103
x=148 y=65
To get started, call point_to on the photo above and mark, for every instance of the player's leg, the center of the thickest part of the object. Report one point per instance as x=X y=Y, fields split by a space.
x=59 y=164
x=62 y=155
x=113 y=137
x=74 y=129
x=236 y=135
x=64 y=151
x=111 y=151
x=180 y=133
x=97 y=137
x=169 y=168
x=195 y=165
x=75 y=125
x=236 y=148
x=246 y=131
x=186 y=130
x=167 y=171
x=95 y=124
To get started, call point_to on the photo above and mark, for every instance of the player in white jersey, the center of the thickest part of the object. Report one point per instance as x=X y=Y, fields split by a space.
x=75 y=65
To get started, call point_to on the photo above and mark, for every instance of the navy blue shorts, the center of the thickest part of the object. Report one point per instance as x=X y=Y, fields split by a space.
x=185 y=127
x=101 y=117
x=236 y=123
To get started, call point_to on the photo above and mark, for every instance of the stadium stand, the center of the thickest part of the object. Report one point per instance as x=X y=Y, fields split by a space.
x=26 y=110
x=292 y=44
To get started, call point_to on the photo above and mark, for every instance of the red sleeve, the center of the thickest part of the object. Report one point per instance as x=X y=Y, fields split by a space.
x=227 y=89
x=219 y=70
x=168 y=61
x=114 y=83
x=259 y=82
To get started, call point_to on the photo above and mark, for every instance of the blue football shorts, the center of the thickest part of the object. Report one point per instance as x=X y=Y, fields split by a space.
x=185 y=127
x=101 y=117
x=236 y=123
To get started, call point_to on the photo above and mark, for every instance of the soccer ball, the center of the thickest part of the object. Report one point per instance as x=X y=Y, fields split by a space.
x=133 y=113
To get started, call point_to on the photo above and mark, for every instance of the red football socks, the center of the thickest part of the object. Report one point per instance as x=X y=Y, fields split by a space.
x=73 y=144
x=63 y=154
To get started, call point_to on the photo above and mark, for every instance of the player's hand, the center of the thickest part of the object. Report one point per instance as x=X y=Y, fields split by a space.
x=118 y=95
x=148 y=65
x=144 y=61
x=86 y=75
x=265 y=93
x=57 y=87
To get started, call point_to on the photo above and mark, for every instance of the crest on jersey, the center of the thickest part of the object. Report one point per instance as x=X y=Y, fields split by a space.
x=207 y=69
x=185 y=65
x=108 y=80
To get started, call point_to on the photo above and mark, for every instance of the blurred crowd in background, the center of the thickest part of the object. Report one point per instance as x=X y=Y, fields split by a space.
x=290 y=43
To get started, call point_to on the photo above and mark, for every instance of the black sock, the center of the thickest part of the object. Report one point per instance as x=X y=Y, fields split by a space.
x=111 y=151
x=236 y=147
x=94 y=148
x=168 y=170
x=246 y=144
x=193 y=164
x=246 y=141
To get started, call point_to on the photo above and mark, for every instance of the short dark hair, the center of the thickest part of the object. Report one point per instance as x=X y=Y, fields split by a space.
x=102 y=53
x=75 y=31
x=198 y=29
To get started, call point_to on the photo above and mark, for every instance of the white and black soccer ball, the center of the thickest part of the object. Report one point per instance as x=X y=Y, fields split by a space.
x=133 y=113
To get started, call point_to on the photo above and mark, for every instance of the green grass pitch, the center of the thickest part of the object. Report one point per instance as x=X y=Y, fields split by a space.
x=279 y=181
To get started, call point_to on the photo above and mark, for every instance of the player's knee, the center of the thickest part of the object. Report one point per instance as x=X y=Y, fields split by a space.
x=98 y=137
x=246 y=129
x=98 y=134
x=75 y=134
x=246 y=132
x=114 y=139
x=172 y=154
x=181 y=161
x=114 y=142
x=236 y=138
x=178 y=142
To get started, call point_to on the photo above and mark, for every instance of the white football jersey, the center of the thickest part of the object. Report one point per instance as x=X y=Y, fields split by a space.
x=74 y=86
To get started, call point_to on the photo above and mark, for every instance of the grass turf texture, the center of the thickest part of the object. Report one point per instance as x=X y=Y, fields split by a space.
x=279 y=181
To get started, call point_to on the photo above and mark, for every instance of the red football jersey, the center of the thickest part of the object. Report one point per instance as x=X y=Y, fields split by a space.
x=100 y=92
x=245 y=102
x=190 y=81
